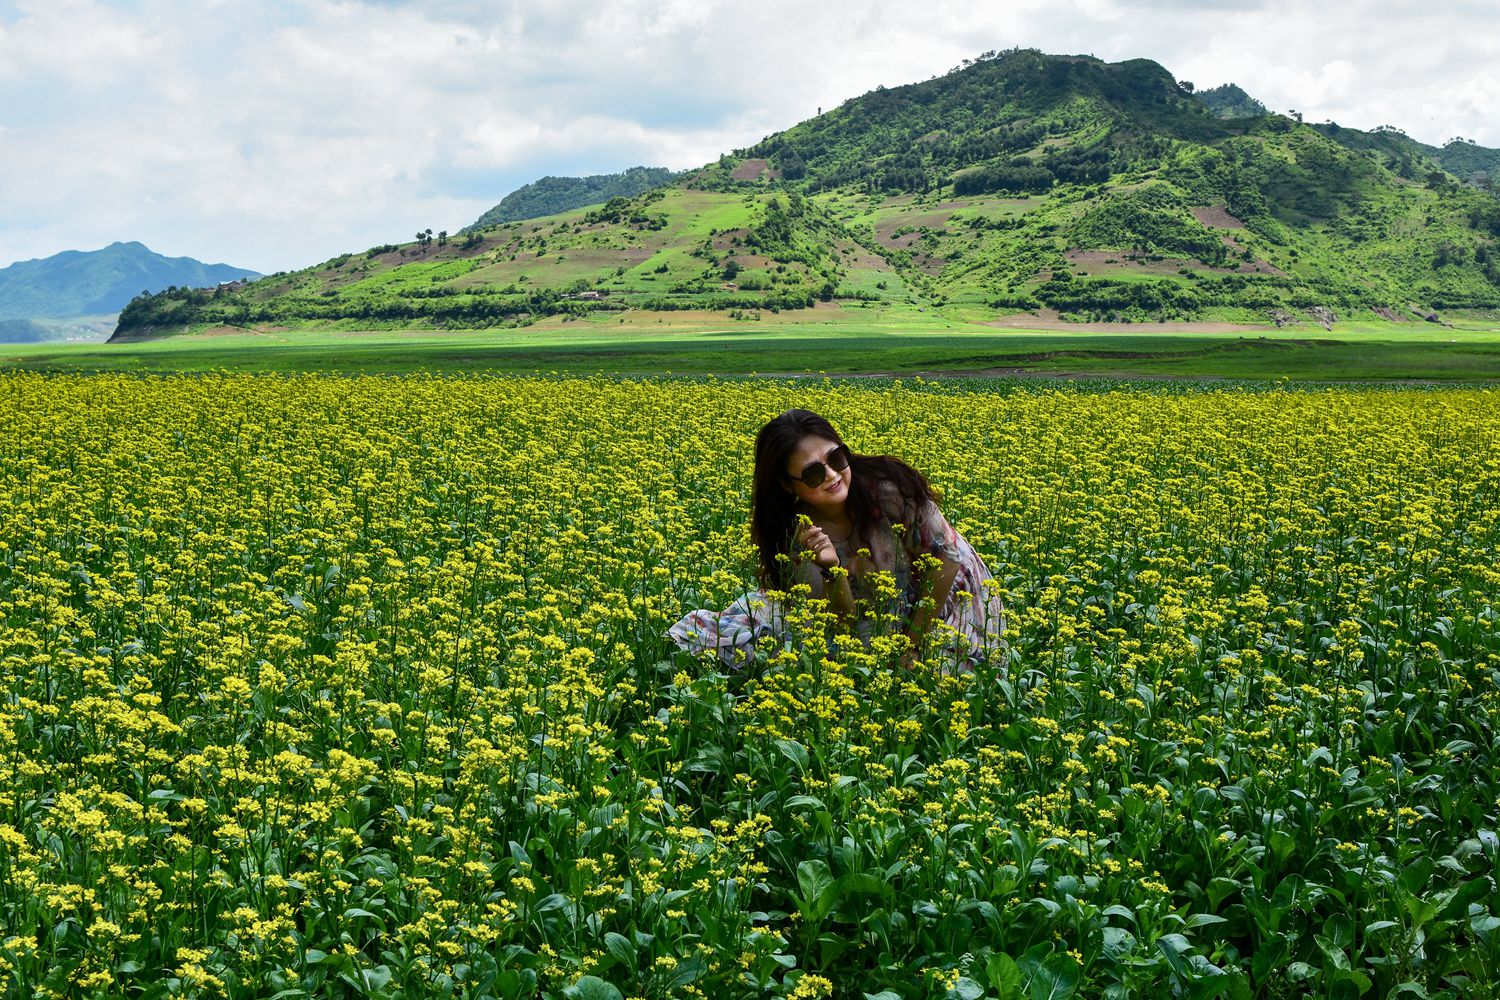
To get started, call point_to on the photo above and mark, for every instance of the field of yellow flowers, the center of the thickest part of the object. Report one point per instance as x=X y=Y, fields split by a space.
x=336 y=687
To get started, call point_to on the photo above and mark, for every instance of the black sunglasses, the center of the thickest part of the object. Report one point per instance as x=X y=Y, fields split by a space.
x=813 y=475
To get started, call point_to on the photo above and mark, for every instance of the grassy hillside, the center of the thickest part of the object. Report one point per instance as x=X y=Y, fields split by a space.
x=670 y=249
x=554 y=195
x=1021 y=183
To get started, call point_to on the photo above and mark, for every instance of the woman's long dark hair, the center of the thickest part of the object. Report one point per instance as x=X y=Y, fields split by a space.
x=772 y=521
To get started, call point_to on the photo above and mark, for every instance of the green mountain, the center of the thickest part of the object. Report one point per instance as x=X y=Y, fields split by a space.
x=1463 y=158
x=1466 y=159
x=47 y=328
x=554 y=195
x=1019 y=182
x=23 y=331
x=78 y=283
x=1229 y=101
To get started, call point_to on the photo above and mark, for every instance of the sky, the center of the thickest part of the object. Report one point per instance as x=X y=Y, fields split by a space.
x=274 y=134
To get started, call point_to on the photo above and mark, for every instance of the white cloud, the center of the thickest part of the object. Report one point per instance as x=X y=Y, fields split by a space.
x=76 y=42
x=277 y=134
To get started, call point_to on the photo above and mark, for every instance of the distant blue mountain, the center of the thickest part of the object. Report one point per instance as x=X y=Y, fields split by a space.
x=100 y=282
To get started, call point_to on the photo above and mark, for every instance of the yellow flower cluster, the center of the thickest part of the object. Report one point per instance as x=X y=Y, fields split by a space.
x=312 y=684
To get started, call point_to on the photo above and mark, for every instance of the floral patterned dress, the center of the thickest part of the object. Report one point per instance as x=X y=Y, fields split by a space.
x=901 y=533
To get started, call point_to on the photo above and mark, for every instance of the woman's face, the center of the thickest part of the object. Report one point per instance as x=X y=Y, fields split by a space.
x=830 y=494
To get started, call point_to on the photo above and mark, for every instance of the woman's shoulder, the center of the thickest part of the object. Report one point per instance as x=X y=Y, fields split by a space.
x=890 y=502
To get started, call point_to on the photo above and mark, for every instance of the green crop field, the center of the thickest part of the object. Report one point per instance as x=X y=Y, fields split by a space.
x=846 y=339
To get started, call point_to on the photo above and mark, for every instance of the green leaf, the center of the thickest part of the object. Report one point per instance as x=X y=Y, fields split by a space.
x=794 y=752
x=1289 y=895
x=882 y=995
x=1351 y=978
x=1208 y=987
x=813 y=877
x=1455 y=903
x=688 y=971
x=1298 y=971
x=797 y=801
x=1172 y=947
x=1117 y=941
x=592 y=988
x=1332 y=952
x=1203 y=920
x=1282 y=845
x=1420 y=910
x=1004 y=976
x=375 y=978
x=1053 y=979
x=1220 y=889
x=1238 y=987
x=1339 y=930
x=1269 y=956
x=1484 y=925
x=619 y=946
x=967 y=989
x=819 y=889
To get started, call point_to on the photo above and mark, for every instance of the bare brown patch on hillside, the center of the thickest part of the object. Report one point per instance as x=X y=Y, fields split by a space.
x=752 y=170
x=748 y=261
x=886 y=229
x=1254 y=266
x=1101 y=262
x=605 y=257
x=860 y=258
x=1216 y=217
x=902 y=242
x=1104 y=262
x=723 y=240
x=916 y=220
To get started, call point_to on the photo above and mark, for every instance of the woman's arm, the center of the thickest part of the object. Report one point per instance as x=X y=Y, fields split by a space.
x=942 y=585
x=935 y=549
x=840 y=595
x=833 y=577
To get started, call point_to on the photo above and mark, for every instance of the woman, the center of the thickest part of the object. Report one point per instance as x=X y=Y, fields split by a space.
x=829 y=518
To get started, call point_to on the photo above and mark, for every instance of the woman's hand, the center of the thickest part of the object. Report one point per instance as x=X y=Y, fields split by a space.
x=816 y=540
